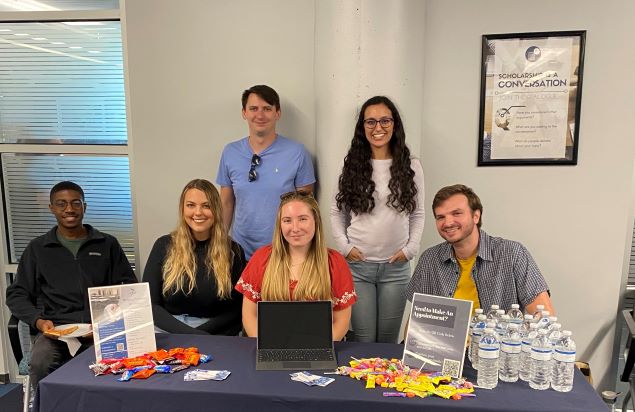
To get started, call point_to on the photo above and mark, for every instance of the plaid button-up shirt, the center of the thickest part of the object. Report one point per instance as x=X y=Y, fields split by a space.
x=504 y=273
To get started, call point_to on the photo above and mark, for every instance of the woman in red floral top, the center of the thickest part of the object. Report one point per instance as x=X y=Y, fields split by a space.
x=297 y=266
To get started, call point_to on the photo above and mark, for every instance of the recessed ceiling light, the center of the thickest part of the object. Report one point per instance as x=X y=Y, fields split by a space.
x=83 y=23
x=27 y=5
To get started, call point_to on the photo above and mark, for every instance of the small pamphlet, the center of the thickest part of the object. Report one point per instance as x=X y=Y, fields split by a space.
x=437 y=334
x=123 y=326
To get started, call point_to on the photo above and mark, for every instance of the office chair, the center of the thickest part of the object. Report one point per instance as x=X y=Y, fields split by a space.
x=629 y=358
x=13 y=328
x=14 y=339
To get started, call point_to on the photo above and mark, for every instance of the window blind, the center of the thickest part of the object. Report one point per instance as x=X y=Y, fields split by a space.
x=57 y=5
x=62 y=83
x=28 y=178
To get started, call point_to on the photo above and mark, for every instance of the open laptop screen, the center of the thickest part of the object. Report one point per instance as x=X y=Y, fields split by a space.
x=295 y=325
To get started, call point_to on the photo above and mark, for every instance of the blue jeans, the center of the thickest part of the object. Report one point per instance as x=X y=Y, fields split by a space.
x=381 y=300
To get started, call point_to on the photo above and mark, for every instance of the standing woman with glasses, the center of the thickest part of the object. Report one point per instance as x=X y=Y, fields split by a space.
x=377 y=218
x=297 y=266
x=193 y=270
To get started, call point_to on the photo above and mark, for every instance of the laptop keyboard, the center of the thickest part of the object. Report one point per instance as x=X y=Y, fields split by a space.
x=283 y=355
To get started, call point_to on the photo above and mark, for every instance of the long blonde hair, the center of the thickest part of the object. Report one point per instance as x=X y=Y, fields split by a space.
x=179 y=268
x=315 y=281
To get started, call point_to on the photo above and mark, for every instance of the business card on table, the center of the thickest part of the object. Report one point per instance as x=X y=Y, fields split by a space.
x=310 y=379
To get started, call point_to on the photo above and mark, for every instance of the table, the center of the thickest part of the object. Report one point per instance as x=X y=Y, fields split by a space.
x=73 y=387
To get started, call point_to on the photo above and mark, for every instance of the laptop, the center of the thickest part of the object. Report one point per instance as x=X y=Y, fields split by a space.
x=295 y=336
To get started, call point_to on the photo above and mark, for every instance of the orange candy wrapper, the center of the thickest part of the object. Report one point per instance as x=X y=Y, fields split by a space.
x=142 y=367
x=144 y=374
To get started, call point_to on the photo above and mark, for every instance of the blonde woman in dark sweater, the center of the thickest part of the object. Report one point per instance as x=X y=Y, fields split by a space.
x=193 y=270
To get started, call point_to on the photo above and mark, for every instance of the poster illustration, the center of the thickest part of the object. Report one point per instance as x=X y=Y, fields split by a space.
x=530 y=98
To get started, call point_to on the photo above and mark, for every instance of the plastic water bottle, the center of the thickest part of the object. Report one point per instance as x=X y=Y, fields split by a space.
x=499 y=314
x=488 y=353
x=543 y=322
x=554 y=333
x=515 y=314
x=493 y=312
x=540 y=371
x=477 y=311
x=538 y=313
x=501 y=326
x=474 y=319
x=509 y=361
x=563 y=363
x=552 y=321
x=477 y=332
x=529 y=319
x=525 y=354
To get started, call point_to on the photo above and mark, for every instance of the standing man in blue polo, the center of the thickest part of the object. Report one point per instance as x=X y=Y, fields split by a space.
x=255 y=170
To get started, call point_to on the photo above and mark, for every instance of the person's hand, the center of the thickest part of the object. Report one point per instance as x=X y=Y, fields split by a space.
x=355 y=255
x=43 y=325
x=398 y=257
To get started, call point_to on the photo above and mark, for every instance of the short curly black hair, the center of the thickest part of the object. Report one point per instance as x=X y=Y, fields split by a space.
x=66 y=185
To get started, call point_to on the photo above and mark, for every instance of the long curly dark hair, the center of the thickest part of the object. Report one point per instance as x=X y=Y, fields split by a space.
x=356 y=186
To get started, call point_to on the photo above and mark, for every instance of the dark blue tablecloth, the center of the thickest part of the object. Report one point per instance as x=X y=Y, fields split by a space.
x=74 y=388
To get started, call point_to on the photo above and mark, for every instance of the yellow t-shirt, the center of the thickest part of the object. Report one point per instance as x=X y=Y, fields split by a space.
x=466 y=288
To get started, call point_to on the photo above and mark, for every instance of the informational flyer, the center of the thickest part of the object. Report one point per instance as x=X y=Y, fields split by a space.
x=437 y=334
x=530 y=107
x=122 y=320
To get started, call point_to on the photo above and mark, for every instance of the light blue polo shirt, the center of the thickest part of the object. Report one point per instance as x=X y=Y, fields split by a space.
x=284 y=166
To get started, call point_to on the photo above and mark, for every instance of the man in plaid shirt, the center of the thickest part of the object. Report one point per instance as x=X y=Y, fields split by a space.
x=473 y=265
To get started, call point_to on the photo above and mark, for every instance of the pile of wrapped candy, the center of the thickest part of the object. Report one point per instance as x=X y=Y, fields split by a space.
x=405 y=381
x=144 y=366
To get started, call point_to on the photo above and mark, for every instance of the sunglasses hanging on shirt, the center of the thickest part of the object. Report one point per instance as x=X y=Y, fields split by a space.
x=255 y=161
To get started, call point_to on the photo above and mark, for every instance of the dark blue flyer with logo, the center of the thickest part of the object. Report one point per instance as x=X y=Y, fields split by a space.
x=437 y=334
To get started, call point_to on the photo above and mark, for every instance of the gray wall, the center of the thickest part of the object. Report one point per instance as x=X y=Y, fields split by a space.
x=572 y=219
x=188 y=61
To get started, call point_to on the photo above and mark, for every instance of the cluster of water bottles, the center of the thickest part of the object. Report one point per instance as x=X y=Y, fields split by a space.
x=509 y=346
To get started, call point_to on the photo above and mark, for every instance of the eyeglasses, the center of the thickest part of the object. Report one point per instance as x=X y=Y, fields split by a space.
x=384 y=122
x=299 y=194
x=63 y=204
x=255 y=161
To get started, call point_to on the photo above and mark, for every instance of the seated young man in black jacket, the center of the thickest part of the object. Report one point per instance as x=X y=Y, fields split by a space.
x=55 y=271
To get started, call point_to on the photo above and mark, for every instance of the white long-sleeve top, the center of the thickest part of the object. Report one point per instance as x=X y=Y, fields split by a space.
x=382 y=232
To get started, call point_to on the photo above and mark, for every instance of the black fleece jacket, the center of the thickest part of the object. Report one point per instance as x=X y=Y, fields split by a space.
x=52 y=284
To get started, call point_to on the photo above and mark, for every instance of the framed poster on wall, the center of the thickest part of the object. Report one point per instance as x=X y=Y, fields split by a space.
x=531 y=91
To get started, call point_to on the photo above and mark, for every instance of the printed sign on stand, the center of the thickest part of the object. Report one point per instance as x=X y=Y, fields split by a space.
x=437 y=334
x=122 y=320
